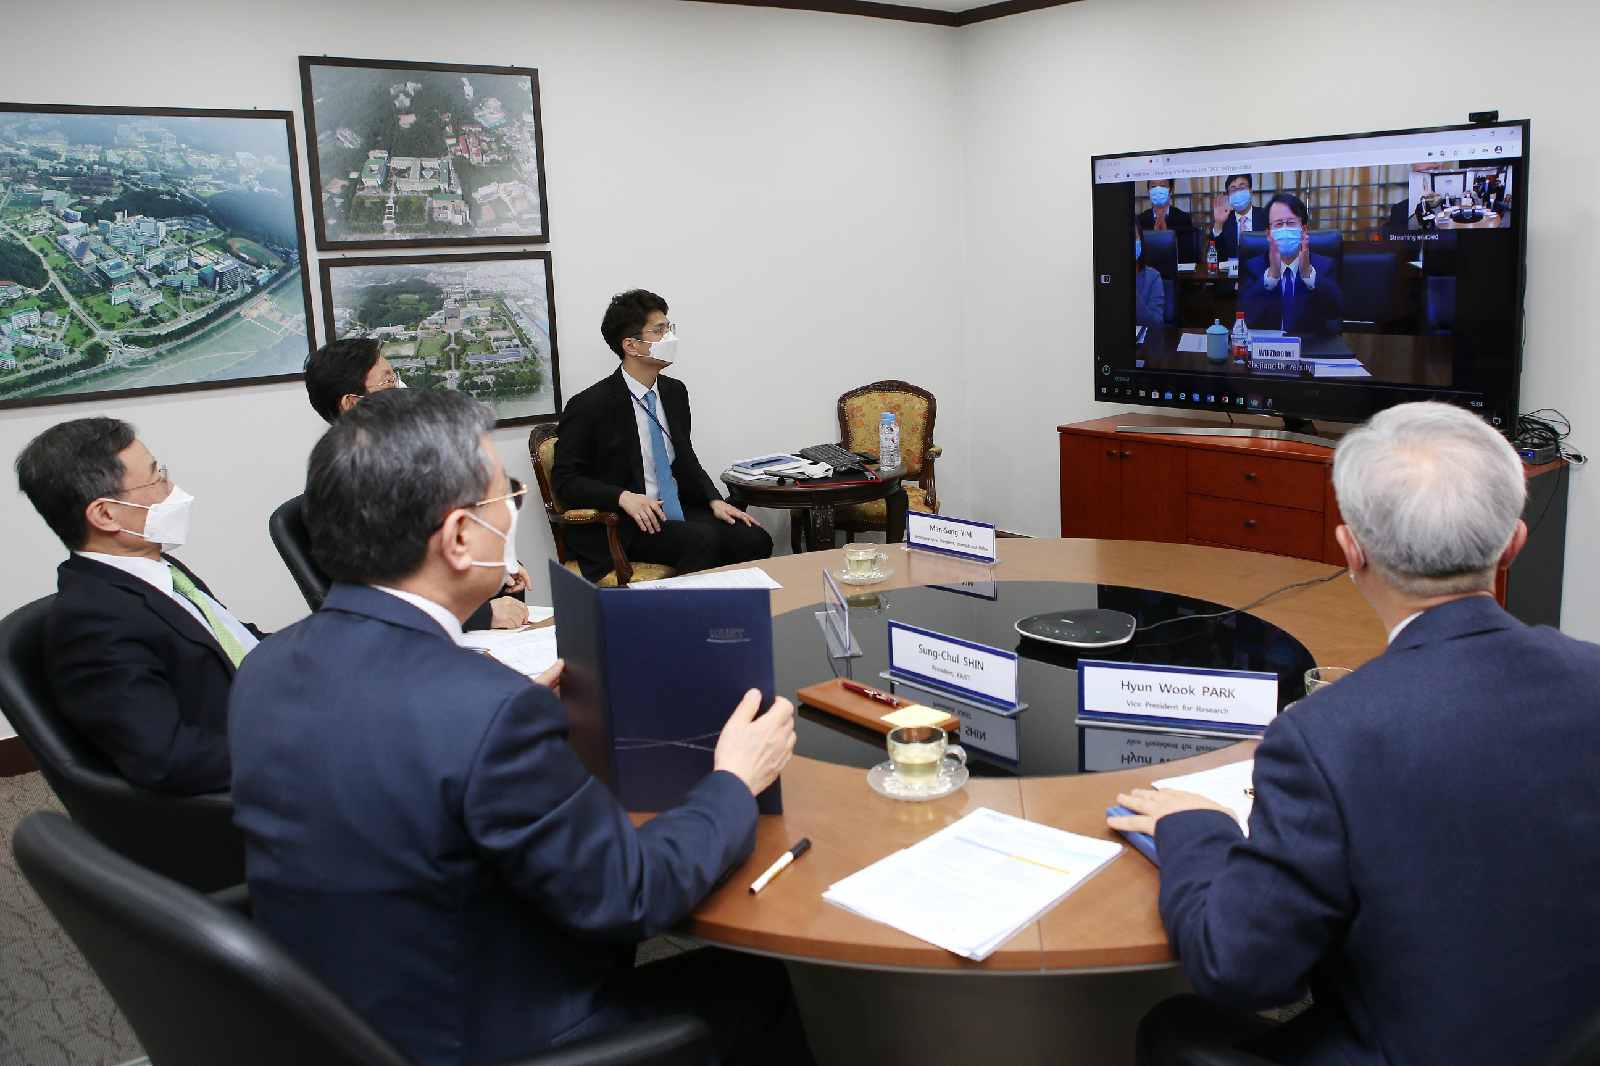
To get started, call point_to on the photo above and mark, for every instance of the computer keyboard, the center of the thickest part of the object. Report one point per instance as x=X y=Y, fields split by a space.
x=833 y=455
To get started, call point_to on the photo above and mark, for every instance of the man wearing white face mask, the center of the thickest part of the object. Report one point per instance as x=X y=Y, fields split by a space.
x=625 y=445
x=139 y=654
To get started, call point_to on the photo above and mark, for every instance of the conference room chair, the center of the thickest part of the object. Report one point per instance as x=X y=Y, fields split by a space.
x=542 y=450
x=859 y=413
x=190 y=839
x=1324 y=242
x=202 y=985
x=1370 y=282
x=290 y=536
x=1161 y=255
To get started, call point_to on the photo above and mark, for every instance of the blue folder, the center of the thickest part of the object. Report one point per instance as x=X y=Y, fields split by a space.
x=1143 y=841
x=651 y=677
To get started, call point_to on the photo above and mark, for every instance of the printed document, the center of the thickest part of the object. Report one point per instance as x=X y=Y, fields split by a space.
x=1228 y=785
x=528 y=651
x=974 y=885
x=1192 y=342
x=749 y=578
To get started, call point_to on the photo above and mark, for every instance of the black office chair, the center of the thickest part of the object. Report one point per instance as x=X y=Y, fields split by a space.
x=201 y=985
x=1370 y=281
x=293 y=541
x=190 y=839
x=1161 y=255
x=1325 y=242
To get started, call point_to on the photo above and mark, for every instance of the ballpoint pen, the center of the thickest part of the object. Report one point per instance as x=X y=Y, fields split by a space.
x=869 y=693
x=783 y=861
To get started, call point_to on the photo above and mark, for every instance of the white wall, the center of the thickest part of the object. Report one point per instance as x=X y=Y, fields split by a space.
x=1044 y=91
x=787 y=180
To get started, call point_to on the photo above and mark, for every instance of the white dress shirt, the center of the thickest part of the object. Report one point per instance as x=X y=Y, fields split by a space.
x=447 y=621
x=155 y=572
x=641 y=418
x=1395 y=632
x=1269 y=282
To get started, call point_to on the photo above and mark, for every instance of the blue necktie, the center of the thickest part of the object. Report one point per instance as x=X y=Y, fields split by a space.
x=658 y=451
x=1288 y=301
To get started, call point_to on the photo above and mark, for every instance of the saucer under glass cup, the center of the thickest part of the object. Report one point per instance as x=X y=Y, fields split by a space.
x=863 y=564
x=923 y=765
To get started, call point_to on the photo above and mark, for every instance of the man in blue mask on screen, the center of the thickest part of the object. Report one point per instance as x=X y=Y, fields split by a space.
x=1163 y=214
x=1232 y=213
x=1288 y=287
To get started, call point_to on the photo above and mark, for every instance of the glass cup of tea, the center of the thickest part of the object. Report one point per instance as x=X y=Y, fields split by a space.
x=861 y=559
x=1322 y=676
x=919 y=752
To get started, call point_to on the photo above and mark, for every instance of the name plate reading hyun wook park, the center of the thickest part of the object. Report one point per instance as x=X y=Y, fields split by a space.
x=974 y=671
x=1133 y=696
x=955 y=537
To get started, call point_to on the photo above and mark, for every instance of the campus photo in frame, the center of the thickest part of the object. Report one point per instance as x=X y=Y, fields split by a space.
x=482 y=324
x=423 y=153
x=148 y=250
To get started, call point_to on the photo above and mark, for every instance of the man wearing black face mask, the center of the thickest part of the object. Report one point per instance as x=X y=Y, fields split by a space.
x=140 y=656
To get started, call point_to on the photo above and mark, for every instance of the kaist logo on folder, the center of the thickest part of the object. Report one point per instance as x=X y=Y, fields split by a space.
x=653 y=676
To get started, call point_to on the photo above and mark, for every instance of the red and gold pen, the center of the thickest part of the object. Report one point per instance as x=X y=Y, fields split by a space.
x=869 y=693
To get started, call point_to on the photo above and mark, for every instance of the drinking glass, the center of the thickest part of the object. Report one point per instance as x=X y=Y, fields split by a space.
x=918 y=753
x=1322 y=676
x=861 y=559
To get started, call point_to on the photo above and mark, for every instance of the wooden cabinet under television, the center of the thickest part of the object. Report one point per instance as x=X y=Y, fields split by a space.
x=1262 y=495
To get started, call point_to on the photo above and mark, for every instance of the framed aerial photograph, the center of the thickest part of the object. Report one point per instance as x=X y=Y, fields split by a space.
x=148 y=250
x=484 y=324
x=423 y=153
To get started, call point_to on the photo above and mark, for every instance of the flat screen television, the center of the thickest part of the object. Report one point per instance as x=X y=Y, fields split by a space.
x=1367 y=270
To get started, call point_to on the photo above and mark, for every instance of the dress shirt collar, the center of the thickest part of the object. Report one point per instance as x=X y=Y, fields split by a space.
x=638 y=388
x=447 y=621
x=1395 y=632
x=150 y=571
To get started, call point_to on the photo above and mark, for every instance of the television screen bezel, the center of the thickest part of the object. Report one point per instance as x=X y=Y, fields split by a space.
x=1500 y=409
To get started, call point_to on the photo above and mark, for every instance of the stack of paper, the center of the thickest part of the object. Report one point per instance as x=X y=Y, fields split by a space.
x=749 y=578
x=1228 y=785
x=973 y=885
x=528 y=651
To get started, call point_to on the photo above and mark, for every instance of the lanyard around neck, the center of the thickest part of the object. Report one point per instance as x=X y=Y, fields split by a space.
x=646 y=409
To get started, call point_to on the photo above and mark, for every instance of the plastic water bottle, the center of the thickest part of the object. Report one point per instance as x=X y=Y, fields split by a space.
x=888 y=441
x=1241 y=339
x=1211 y=257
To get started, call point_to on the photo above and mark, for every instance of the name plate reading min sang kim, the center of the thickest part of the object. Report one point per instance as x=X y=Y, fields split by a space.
x=950 y=536
x=955 y=665
x=1231 y=701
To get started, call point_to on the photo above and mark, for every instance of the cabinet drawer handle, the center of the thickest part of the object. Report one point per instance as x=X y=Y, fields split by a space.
x=1125 y=454
x=1249 y=477
x=1249 y=523
x=1111 y=453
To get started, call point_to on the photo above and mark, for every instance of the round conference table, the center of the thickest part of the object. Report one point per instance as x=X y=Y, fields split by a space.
x=1095 y=962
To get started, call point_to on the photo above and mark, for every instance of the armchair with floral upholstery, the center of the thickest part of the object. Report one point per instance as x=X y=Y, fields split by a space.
x=859 y=412
x=542 y=450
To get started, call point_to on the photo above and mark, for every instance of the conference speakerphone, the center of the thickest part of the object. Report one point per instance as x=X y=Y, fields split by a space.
x=1088 y=627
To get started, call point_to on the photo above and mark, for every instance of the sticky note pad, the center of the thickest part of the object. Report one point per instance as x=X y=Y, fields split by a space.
x=915 y=714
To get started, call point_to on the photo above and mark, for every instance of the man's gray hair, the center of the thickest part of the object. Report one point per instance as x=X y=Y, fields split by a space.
x=383 y=478
x=1432 y=494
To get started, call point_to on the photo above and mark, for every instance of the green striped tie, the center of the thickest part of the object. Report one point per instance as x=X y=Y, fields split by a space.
x=184 y=585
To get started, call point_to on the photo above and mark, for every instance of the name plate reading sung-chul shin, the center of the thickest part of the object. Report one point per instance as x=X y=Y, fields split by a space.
x=1133 y=696
x=950 y=536
x=981 y=673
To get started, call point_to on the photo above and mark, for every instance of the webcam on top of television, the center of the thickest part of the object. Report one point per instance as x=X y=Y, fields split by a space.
x=1483 y=118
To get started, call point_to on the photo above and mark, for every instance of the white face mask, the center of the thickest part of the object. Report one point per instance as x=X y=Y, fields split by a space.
x=167 y=524
x=398 y=383
x=509 y=558
x=665 y=349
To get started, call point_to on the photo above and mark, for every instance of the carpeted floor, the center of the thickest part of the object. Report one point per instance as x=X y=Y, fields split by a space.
x=53 y=1011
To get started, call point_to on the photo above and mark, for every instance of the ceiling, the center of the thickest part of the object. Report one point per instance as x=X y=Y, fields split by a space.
x=938 y=12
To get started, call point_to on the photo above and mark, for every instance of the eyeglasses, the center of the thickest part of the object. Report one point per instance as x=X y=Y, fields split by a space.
x=387 y=383
x=518 y=491
x=1285 y=223
x=161 y=479
x=660 y=331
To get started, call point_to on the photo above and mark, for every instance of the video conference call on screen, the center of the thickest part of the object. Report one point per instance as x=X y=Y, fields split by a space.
x=1370 y=270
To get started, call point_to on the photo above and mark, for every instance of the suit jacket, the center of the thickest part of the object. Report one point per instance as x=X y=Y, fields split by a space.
x=1311 y=310
x=138 y=675
x=598 y=454
x=419 y=831
x=1228 y=239
x=1423 y=851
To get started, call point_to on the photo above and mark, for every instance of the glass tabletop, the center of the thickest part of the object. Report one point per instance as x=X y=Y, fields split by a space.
x=1043 y=739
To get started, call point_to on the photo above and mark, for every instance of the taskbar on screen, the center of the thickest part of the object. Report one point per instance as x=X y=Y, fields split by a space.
x=1240 y=395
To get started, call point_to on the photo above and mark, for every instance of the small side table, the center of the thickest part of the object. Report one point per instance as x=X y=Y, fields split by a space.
x=819 y=501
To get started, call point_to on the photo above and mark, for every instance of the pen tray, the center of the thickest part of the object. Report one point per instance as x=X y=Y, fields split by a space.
x=832 y=698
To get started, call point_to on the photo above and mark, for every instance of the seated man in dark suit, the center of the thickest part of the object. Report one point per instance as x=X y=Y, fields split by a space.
x=1162 y=214
x=1289 y=288
x=1423 y=852
x=138 y=652
x=338 y=375
x=418 y=828
x=1233 y=213
x=625 y=446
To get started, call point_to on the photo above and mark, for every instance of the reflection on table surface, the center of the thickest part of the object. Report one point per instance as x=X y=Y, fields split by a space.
x=1043 y=737
x=1387 y=357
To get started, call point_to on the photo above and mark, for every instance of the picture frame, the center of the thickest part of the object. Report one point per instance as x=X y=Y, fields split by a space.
x=482 y=322
x=410 y=154
x=148 y=250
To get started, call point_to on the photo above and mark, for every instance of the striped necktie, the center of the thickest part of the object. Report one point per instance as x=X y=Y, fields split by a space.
x=184 y=586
